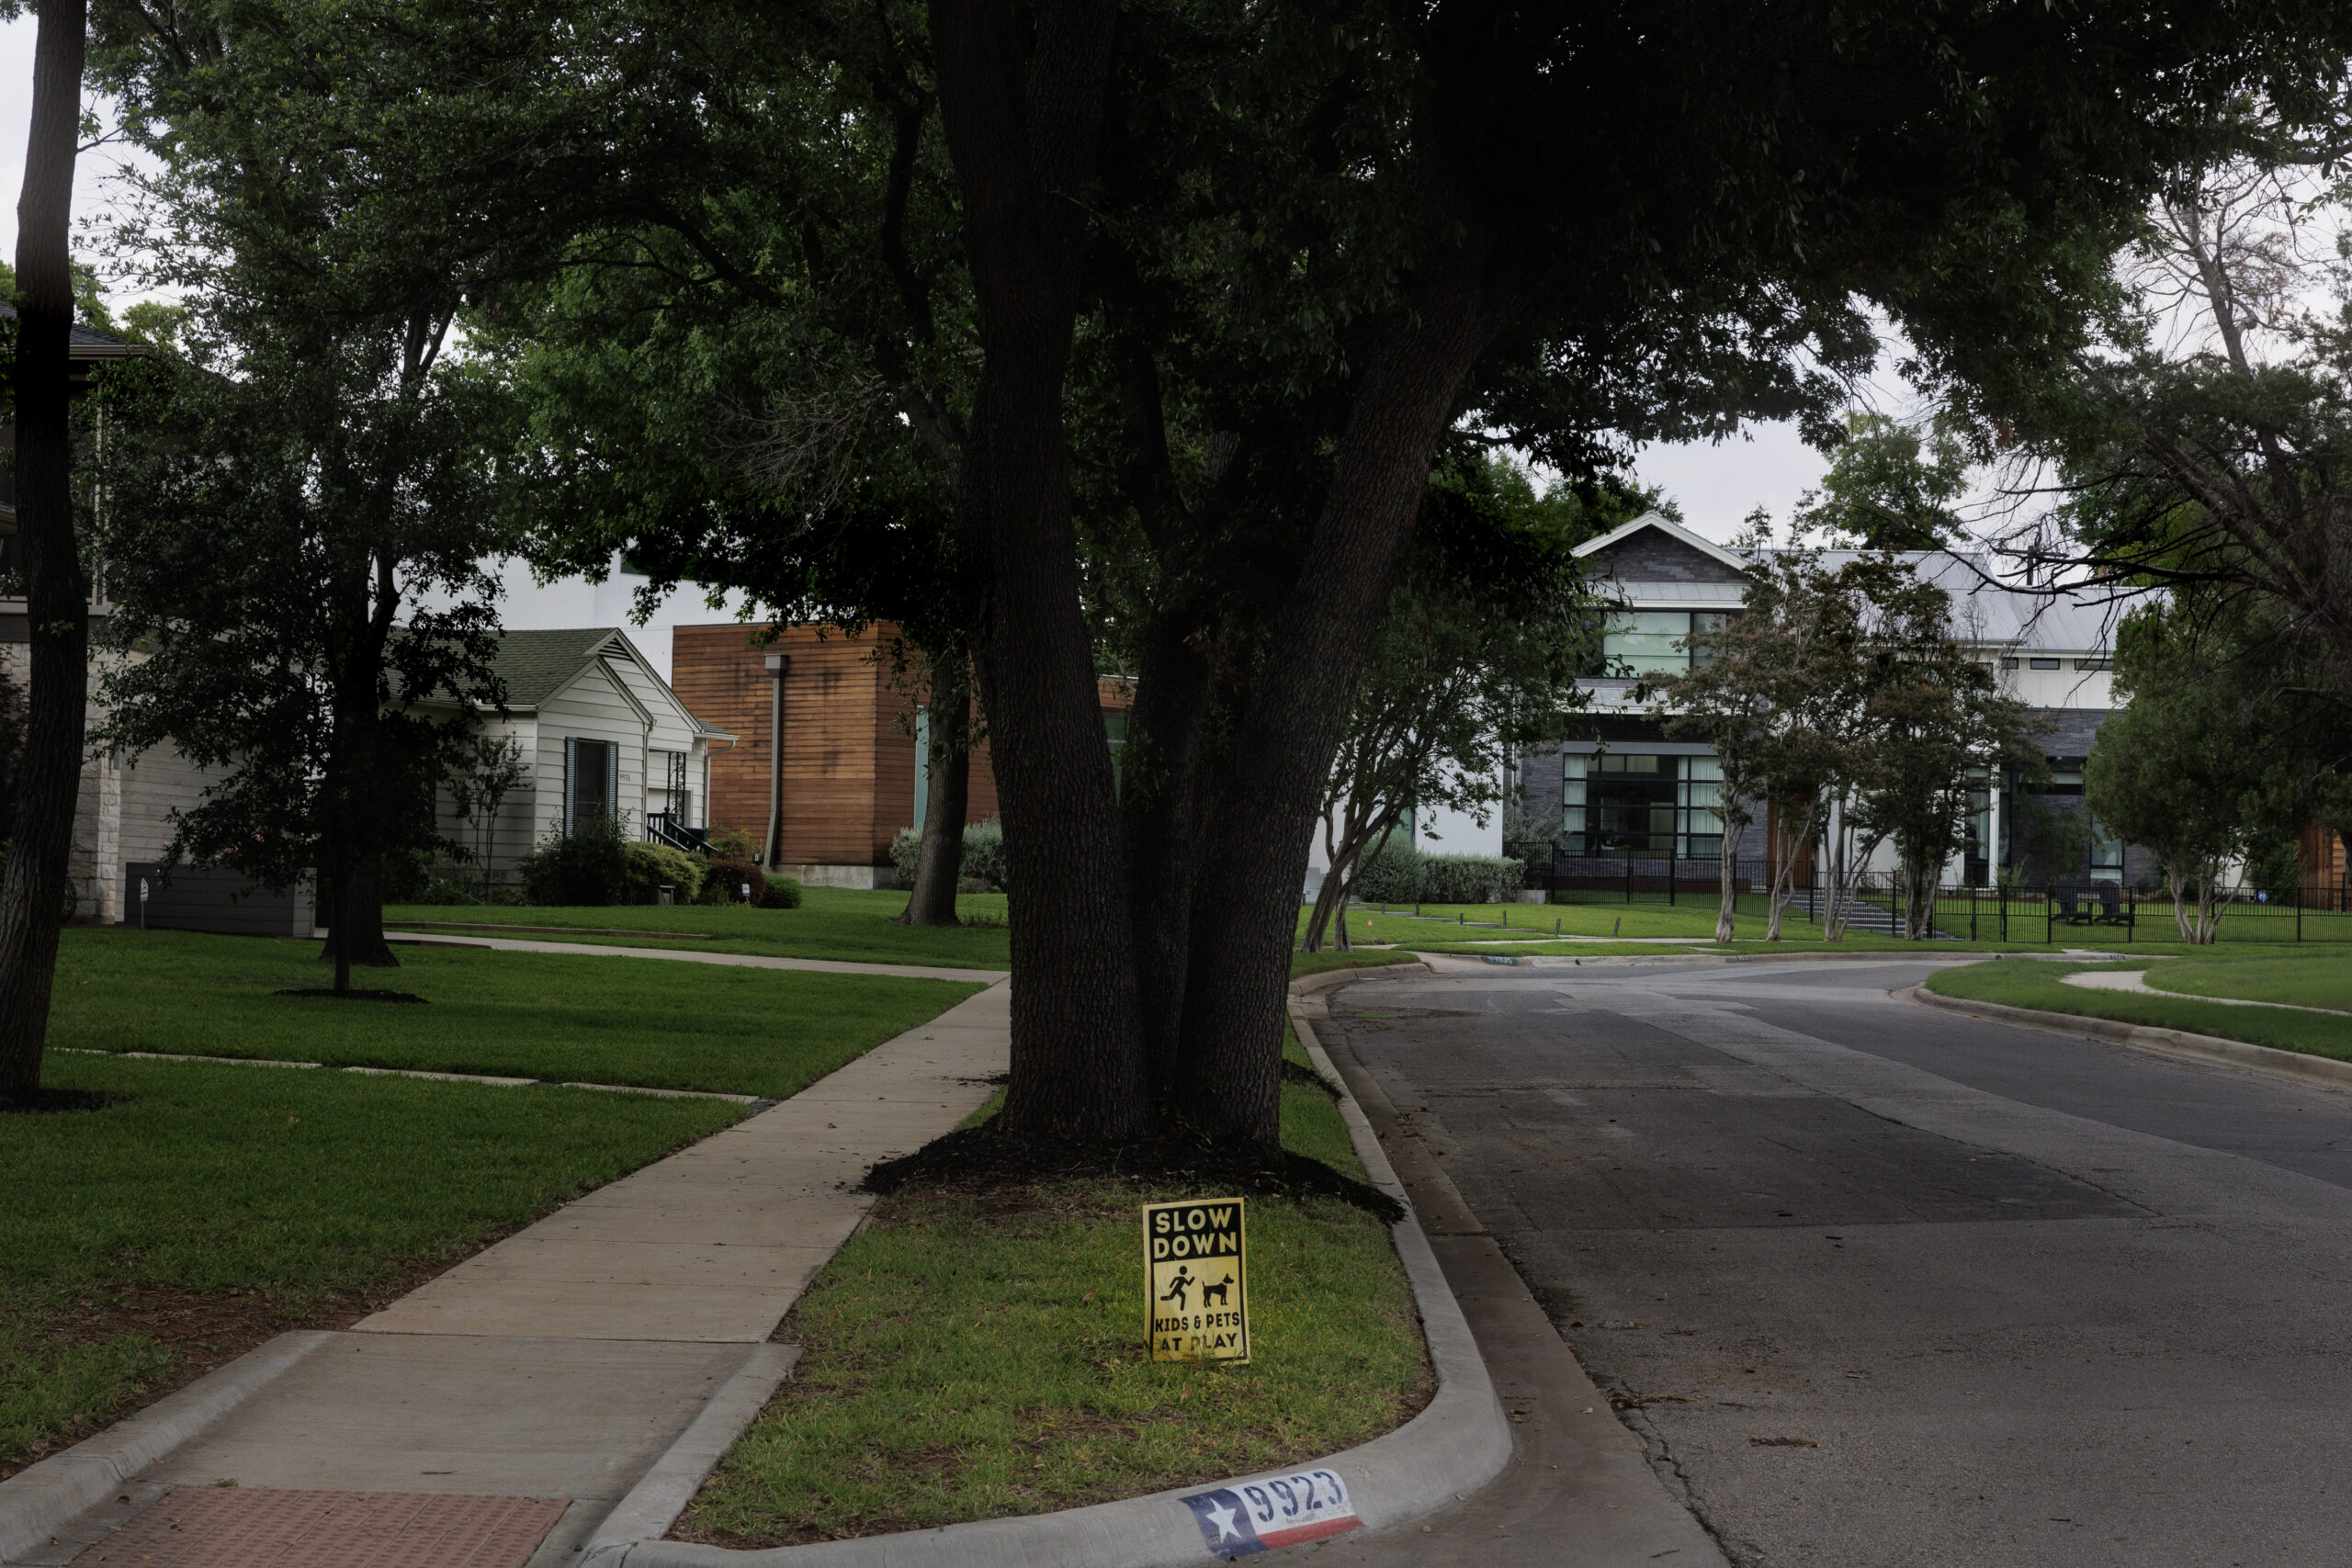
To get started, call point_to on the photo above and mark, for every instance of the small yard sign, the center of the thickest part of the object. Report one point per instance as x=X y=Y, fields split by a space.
x=1197 y=1280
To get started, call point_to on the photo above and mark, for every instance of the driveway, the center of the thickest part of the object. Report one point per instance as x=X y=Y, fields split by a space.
x=1879 y=1285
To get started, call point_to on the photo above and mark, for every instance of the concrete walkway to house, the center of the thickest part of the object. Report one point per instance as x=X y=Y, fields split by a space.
x=740 y=960
x=495 y=1417
x=2136 y=982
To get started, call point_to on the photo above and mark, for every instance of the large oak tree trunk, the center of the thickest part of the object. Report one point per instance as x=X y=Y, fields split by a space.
x=57 y=590
x=946 y=799
x=1259 y=838
x=1023 y=125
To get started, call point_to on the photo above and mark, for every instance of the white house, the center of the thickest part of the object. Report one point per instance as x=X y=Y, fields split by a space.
x=597 y=730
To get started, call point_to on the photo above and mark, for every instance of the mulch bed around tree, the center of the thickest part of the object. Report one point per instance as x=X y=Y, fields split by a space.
x=982 y=1159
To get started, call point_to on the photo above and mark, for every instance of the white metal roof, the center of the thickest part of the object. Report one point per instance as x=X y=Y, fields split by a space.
x=2079 y=620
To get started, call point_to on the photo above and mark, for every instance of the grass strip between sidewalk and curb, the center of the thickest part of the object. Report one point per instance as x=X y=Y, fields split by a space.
x=613 y=1021
x=200 y=1209
x=979 y=1355
x=2035 y=983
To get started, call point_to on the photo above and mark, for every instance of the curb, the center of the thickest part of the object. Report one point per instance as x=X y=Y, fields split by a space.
x=652 y=1506
x=2147 y=1037
x=1454 y=1448
x=1308 y=985
x=40 y=1498
x=1562 y=960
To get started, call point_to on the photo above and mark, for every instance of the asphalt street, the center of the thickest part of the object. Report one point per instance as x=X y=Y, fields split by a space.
x=1879 y=1285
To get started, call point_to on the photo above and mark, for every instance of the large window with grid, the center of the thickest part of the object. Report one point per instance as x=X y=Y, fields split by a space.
x=1632 y=803
x=1658 y=642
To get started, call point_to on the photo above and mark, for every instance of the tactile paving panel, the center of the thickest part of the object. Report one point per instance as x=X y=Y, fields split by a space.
x=253 y=1526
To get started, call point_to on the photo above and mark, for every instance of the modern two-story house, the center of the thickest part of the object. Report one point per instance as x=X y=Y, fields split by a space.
x=1624 y=792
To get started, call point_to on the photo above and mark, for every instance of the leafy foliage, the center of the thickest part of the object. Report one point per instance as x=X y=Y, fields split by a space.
x=589 y=865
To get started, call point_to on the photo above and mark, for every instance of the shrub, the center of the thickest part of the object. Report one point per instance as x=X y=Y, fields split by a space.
x=782 y=893
x=726 y=880
x=1470 y=879
x=1395 y=875
x=588 y=865
x=445 y=890
x=905 y=851
x=984 y=853
x=652 y=865
x=407 y=874
x=732 y=843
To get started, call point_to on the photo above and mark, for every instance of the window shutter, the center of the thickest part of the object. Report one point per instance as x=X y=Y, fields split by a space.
x=612 y=781
x=571 y=782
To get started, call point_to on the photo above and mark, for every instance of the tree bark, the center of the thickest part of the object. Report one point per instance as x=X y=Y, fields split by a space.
x=1174 y=694
x=1259 y=838
x=932 y=900
x=57 y=591
x=357 y=934
x=1025 y=134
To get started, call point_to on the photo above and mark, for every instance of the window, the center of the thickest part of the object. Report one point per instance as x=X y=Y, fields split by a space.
x=1652 y=642
x=2106 y=853
x=2094 y=663
x=1616 y=804
x=2066 y=781
x=1646 y=642
x=2046 y=663
x=592 y=781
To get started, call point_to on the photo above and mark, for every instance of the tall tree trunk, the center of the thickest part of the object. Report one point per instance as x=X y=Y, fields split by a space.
x=947 y=797
x=1164 y=776
x=56 y=589
x=1024 y=133
x=1259 y=835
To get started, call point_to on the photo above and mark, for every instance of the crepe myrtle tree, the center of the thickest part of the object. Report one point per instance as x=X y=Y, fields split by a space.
x=1933 y=727
x=1477 y=661
x=1777 y=694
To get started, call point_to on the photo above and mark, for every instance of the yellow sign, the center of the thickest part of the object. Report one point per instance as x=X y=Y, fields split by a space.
x=1194 y=1258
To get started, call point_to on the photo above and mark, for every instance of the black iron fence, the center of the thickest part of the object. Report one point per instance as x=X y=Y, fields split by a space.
x=2065 y=908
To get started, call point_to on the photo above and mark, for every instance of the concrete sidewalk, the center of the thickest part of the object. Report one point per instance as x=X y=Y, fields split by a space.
x=496 y=1415
x=689 y=955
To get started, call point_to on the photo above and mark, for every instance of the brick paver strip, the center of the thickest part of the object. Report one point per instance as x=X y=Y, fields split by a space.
x=241 y=1527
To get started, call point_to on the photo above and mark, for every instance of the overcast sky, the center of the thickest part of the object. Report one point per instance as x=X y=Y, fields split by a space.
x=1717 y=485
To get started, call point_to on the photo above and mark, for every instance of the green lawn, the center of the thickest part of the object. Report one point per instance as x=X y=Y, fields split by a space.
x=1306 y=963
x=271 y=1193
x=2311 y=978
x=590 y=1020
x=2034 y=983
x=832 y=922
x=977 y=1357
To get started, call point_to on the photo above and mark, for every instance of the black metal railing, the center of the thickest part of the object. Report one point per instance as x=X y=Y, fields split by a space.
x=2062 y=910
x=662 y=827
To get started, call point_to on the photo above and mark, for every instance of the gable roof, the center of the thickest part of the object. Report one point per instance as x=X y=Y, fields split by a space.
x=1660 y=522
x=535 y=666
x=83 y=343
x=538 y=666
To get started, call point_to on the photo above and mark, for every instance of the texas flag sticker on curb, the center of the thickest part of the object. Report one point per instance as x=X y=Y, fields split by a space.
x=1258 y=1515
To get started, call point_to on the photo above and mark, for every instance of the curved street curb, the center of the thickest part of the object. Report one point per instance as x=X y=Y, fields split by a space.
x=1454 y=1448
x=2146 y=1037
x=39 y=1499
